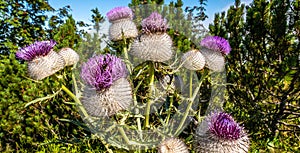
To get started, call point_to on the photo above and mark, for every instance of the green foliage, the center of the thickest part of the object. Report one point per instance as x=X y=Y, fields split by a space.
x=66 y=34
x=26 y=127
x=200 y=10
x=264 y=68
x=139 y=2
x=21 y=22
x=185 y=36
x=40 y=126
x=97 y=19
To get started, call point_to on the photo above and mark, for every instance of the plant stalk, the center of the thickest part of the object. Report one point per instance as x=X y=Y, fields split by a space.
x=150 y=100
x=77 y=101
x=191 y=100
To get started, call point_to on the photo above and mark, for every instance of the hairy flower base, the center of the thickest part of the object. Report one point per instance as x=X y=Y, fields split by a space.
x=122 y=27
x=69 y=55
x=215 y=61
x=108 y=102
x=172 y=145
x=208 y=142
x=193 y=60
x=154 y=47
x=43 y=66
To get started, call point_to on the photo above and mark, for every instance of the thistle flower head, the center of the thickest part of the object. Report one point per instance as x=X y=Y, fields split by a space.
x=193 y=60
x=223 y=126
x=69 y=55
x=172 y=145
x=154 y=23
x=102 y=70
x=119 y=13
x=223 y=135
x=108 y=102
x=38 y=48
x=156 y=47
x=216 y=43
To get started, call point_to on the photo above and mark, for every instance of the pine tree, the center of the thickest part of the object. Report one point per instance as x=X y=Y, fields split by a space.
x=31 y=110
x=97 y=19
x=264 y=68
x=66 y=34
x=91 y=43
x=21 y=23
x=197 y=15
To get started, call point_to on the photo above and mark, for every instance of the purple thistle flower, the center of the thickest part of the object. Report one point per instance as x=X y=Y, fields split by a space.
x=119 y=13
x=216 y=43
x=102 y=70
x=154 y=23
x=223 y=135
x=223 y=126
x=38 y=48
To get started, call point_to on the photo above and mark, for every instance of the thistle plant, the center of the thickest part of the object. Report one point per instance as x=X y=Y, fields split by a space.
x=147 y=99
x=223 y=135
x=42 y=60
x=154 y=44
x=108 y=91
x=193 y=60
x=214 y=48
x=122 y=24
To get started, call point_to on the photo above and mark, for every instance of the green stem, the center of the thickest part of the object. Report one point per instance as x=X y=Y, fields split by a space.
x=186 y=113
x=191 y=83
x=203 y=76
x=169 y=110
x=74 y=80
x=77 y=101
x=121 y=130
x=106 y=145
x=150 y=101
x=138 y=120
x=43 y=98
x=191 y=100
x=125 y=52
x=81 y=108
x=129 y=67
x=127 y=62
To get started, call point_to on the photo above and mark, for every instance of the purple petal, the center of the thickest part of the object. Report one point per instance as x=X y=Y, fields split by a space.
x=38 y=48
x=119 y=13
x=216 y=43
x=223 y=126
x=154 y=23
x=102 y=70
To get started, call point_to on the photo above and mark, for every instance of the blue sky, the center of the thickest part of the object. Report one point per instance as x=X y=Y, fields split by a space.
x=81 y=9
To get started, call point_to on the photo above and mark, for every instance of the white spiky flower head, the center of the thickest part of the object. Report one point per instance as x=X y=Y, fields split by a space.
x=110 y=101
x=214 y=48
x=42 y=60
x=107 y=89
x=122 y=24
x=172 y=145
x=69 y=55
x=222 y=135
x=193 y=60
x=154 y=44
